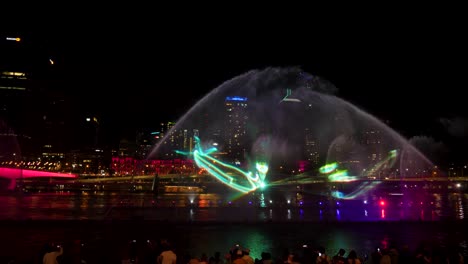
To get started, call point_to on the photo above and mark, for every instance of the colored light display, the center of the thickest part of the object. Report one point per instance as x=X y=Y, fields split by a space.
x=228 y=174
x=341 y=175
x=327 y=168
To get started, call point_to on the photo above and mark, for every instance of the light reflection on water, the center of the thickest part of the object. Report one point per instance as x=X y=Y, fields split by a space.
x=312 y=223
x=216 y=207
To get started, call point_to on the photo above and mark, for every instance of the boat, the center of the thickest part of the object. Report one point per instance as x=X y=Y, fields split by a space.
x=183 y=189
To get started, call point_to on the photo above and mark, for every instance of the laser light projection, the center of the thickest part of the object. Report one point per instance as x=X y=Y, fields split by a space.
x=231 y=176
x=292 y=126
x=341 y=175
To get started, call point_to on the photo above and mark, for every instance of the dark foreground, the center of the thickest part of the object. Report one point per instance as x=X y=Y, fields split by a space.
x=108 y=241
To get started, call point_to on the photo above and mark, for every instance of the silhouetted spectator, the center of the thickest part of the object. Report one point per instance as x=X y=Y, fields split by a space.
x=51 y=257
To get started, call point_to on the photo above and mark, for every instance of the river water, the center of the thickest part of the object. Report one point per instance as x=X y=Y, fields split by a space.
x=209 y=222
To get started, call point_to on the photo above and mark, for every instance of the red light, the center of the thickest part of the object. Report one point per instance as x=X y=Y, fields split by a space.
x=382 y=203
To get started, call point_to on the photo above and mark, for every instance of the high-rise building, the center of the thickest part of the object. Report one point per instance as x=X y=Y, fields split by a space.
x=235 y=128
x=145 y=141
x=196 y=133
x=312 y=153
x=54 y=125
x=372 y=140
x=165 y=127
x=38 y=116
x=374 y=149
x=175 y=138
x=15 y=87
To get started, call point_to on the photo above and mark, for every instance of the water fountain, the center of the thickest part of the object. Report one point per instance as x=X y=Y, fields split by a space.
x=278 y=127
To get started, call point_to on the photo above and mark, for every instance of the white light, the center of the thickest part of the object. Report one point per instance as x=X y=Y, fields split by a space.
x=13 y=39
x=88 y=119
x=215 y=144
x=458 y=185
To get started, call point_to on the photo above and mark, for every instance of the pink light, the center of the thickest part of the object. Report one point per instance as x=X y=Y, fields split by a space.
x=12 y=173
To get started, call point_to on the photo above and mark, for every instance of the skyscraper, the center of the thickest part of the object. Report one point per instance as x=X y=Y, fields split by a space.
x=175 y=138
x=15 y=85
x=36 y=116
x=235 y=128
x=311 y=148
x=372 y=140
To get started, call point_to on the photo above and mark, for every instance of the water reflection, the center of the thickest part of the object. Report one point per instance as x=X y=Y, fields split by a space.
x=213 y=206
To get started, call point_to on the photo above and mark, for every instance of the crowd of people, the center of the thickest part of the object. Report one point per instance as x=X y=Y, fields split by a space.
x=164 y=252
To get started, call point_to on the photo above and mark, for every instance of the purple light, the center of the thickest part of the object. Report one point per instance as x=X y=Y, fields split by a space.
x=320 y=203
x=337 y=203
x=250 y=202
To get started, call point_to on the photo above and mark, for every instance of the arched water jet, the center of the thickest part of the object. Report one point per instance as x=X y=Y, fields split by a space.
x=284 y=119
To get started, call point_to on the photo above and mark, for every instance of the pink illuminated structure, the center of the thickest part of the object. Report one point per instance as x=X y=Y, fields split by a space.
x=13 y=174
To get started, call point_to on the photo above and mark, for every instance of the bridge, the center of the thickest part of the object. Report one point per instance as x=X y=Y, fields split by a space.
x=13 y=174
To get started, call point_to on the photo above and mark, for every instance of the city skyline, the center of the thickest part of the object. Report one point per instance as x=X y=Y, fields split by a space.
x=123 y=134
x=413 y=87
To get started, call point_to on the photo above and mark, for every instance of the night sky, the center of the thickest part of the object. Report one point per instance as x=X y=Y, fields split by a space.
x=411 y=75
